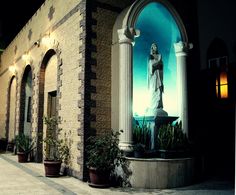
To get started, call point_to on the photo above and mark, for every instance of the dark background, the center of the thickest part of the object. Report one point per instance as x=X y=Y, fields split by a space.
x=14 y=14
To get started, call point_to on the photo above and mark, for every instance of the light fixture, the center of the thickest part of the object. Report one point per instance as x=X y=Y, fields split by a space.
x=37 y=43
x=46 y=40
x=12 y=69
x=26 y=58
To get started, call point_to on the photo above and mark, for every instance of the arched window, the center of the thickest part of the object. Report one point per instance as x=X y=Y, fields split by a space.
x=217 y=56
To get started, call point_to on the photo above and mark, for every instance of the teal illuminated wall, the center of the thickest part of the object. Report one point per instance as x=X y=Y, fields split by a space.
x=156 y=24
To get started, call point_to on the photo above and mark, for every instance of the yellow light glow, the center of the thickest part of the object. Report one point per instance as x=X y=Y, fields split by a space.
x=223 y=78
x=222 y=92
x=223 y=85
x=46 y=40
x=25 y=57
x=12 y=69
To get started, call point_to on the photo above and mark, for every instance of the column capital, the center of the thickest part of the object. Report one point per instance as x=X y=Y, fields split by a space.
x=127 y=35
x=182 y=48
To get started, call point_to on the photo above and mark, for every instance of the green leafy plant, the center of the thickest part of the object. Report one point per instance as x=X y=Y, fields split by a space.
x=55 y=148
x=103 y=151
x=142 y=133
x=172 y=137
x=24 y=143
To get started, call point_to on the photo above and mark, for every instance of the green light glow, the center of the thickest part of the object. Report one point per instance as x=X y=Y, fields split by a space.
x=156 y=24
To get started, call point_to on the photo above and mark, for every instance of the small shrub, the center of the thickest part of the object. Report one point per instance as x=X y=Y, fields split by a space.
x=103 y=151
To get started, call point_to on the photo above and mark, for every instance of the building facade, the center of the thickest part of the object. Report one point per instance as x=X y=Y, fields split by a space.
x=75 y=60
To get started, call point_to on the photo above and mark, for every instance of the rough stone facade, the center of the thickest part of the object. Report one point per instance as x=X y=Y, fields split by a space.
x=77 y=36
x=59 y=31
x=69 y=39
x=105 y=19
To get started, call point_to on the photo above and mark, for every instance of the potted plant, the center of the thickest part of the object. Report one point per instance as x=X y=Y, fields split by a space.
x=103 y=156
x=3 y=144
x=24 y=145
x=56 y=151
x=172 y=141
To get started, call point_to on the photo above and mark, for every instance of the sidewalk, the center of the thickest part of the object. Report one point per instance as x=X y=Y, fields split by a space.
x=28 y=178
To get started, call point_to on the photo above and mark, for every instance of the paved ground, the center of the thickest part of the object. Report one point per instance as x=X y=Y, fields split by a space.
x=28 y=179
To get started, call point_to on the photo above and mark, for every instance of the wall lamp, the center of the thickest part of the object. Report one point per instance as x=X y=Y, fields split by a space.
x=12 y=69
x=37 y=43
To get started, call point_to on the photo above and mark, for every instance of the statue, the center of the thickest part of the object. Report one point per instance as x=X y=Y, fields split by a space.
x=155 y=82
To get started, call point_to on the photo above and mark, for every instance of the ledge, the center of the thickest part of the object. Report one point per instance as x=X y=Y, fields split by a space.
x=161 y=173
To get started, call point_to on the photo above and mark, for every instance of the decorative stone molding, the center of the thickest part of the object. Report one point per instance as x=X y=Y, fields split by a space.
x=182 y=48
x=127 y=35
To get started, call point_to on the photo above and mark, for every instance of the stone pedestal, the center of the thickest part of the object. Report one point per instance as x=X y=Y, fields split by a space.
x=161 y=173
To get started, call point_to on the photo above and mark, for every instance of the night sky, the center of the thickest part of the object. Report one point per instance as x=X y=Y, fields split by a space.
x=14 y=14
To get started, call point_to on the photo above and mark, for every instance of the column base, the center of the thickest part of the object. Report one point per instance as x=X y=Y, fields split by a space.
x=127 y=148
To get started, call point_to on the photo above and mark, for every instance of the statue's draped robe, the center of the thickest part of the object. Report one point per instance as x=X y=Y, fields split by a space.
x=155 y=82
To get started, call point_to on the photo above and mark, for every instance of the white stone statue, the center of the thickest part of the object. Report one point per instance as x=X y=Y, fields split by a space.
x=155 y=82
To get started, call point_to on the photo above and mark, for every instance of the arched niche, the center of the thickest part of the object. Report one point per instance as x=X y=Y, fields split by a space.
x=47 y=86
x=26 y=102
x=133 y=32
x=11 y=110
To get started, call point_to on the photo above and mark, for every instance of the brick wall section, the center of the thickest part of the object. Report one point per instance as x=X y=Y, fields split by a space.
x=68 y=84
x=105 y=20
x=81 y=36
x=66 y=38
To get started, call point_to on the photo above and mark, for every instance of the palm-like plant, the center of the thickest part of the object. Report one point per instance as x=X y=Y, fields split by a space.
x=24 y=143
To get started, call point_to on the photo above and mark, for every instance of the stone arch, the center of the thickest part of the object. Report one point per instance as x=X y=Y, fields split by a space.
x=41 y=86
x=128 y=17
x=25 y=113
x=124 y=34
x=11 y=109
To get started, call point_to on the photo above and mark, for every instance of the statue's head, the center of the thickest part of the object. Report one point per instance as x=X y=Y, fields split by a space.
x=154 y=48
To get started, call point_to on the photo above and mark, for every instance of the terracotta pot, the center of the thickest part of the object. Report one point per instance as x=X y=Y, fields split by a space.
x=99 y=178
x=52 y=168
x=22 y=157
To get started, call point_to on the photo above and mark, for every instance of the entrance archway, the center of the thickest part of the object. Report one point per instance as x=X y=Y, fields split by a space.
x=11 y=110
x=47 y=87
x=25 y=102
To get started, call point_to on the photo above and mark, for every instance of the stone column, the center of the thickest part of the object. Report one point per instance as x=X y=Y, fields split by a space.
x=126 y=41
x=181 y=52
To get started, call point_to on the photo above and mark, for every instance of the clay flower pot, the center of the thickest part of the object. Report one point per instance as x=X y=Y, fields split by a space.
x=52 y=168
x=98 y=178
x=22 y=157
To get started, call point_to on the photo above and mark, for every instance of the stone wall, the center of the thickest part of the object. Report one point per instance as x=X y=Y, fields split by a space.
x=78 y=36
x=105 y=18
x=57 y=27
